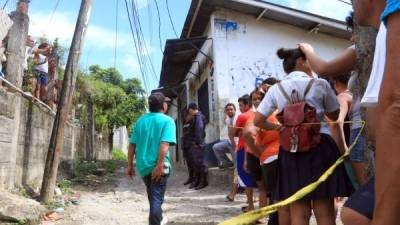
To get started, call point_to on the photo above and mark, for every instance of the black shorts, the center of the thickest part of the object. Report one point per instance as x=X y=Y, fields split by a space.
x=270 y=175
x=363 y=200
x=253 y=164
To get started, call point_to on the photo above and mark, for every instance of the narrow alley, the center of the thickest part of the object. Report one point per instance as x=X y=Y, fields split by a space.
x=123 y=201
x=120 y=201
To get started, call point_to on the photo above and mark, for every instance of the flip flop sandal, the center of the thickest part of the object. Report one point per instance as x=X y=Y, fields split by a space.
x=245 y=209
x=229 y=198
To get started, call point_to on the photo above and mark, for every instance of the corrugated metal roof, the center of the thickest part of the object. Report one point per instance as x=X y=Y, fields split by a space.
x=178 y=57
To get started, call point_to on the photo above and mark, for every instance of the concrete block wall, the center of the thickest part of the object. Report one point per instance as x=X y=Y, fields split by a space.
x=7 y=125
x=26 y=165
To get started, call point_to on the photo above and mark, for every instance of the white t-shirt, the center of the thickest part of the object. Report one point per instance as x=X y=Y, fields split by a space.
x=43 y=65
x=28 y=54
x=230 y=122
x=371 y=94
x=320 y=96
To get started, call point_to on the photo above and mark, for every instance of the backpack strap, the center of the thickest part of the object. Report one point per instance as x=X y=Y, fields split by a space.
x=310 y=83
x=285 y=94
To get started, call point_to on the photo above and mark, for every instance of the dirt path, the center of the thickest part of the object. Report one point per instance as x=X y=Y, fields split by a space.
x=119 y=201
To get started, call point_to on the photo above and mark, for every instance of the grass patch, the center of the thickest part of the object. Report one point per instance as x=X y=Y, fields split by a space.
x=22 y=222
x=109 y=165
x=65 y=186
x=118 y=154
x=84 y=168
x=54 y=205
x=22 y=192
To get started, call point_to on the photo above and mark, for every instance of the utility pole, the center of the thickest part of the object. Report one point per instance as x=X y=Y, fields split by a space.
x=15 y=58
x=17 y=43
x=67 y=92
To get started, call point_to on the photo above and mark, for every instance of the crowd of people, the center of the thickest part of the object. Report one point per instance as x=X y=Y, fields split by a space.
x=290 y=131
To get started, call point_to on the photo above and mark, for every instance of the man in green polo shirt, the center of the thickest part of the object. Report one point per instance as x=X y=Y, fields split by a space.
x=151 y=137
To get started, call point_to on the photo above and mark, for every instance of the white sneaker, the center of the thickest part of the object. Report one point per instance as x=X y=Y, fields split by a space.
x=164 y=220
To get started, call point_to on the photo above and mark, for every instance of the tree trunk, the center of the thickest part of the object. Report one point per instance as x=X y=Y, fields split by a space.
x=90 y=129
x=365 y=48
x=111 y=141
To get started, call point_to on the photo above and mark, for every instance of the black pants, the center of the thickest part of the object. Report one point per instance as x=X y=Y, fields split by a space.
x=194 y=156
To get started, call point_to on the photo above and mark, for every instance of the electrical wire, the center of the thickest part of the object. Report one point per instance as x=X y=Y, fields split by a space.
x=136 y=46
x=170 y=19
x=52 y=14
x=5 y=4
x=348 y=3
x=159 y=26
x=148 y=64
x=116 y=33
x=139 y=37
x=150 y=24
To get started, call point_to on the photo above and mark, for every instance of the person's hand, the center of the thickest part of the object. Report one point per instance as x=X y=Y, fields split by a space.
x=306 y=48
x=130 y=172
x=158 y=172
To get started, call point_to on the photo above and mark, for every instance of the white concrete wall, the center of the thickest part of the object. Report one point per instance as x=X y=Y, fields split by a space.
x=249 y=52
x=121 y=138
x=194 y=83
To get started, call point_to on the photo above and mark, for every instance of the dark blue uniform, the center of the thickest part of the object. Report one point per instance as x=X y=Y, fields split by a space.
x=193 y=145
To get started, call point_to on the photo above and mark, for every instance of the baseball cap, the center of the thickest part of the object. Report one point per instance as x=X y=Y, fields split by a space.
x=158 y=98
x=193 y=106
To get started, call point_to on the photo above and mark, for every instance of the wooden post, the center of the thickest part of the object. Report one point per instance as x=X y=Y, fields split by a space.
x=67 y=92
x=16 y=44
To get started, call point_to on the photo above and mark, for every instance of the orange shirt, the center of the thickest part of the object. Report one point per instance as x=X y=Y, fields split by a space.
x=269 y=141
x=240 y=124
x=250 y=121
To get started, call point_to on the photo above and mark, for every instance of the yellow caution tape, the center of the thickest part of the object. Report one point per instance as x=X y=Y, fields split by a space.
x=252 y=216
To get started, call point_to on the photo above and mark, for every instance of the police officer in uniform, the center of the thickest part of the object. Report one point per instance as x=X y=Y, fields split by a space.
x=193 y=147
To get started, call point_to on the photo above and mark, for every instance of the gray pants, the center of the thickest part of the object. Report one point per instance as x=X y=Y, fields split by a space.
x=221 y=149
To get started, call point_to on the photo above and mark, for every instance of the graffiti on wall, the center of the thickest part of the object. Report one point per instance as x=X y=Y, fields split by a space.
x=244 y=73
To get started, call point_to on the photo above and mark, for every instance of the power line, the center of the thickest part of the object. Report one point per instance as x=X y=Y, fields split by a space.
x=170 y=18
x=5 y=4
x=136 y=46
x=116 y=33
x=348 y=3
x=139 y=38
x=52 y=14
x=159 y=26
x=142 y=43
x=150 y=18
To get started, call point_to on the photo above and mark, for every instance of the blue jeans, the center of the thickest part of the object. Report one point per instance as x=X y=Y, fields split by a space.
x=357 y=153
x=43 y=78
x=155 y=194
x=221 y=148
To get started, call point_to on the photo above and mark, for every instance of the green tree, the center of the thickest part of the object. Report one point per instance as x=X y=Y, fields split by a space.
x=109 y=75
x=116 y=102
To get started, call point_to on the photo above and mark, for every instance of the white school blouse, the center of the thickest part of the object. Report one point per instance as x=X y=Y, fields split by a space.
x=320 y=96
